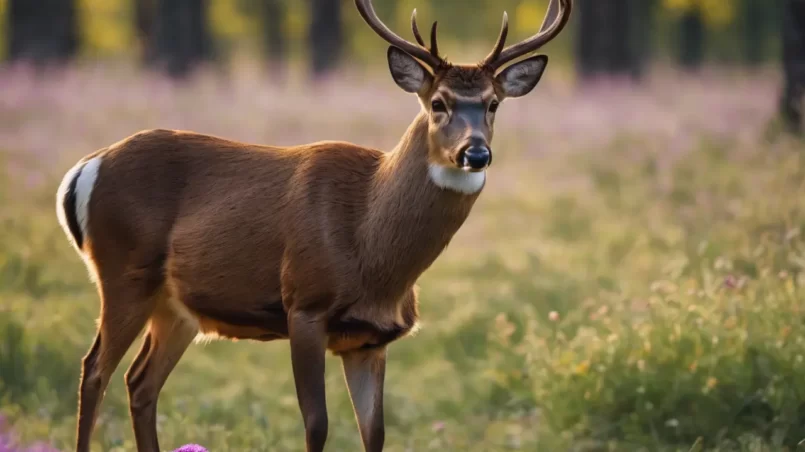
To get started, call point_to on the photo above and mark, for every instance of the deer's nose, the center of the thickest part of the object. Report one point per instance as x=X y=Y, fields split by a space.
x=477 y=157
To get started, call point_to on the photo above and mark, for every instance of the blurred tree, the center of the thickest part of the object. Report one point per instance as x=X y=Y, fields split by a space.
x=181 y=36
x=42 y=31
x=610 y=36
x=264 y=20
x=274 y=32
x=690 y=37
x=325 y=35
x=755 y=30
x=144 y=11
x=793 y=96
x=588 y=47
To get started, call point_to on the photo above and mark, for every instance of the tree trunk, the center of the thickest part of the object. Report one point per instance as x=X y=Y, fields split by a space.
x=690 y=39
x=588 y=44
x=144 y=13
x=624 y=20
x=755 y=19
x=642 y=37
x=274 y=43
x=609 y=35
x=325 y=36
x=181 y=39
x=42 y=31
x=793 y=28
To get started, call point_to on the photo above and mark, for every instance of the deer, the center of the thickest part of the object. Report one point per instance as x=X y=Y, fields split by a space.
x=187 y=235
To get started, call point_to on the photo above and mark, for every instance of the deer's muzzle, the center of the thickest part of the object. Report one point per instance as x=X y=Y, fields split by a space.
x=475 y=157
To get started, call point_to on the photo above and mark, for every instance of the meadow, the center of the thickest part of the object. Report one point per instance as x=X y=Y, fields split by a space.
x=631 y=279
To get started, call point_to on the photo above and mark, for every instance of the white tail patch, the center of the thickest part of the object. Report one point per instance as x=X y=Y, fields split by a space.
x=60 y=194
x=83 y=191
x=457 y=179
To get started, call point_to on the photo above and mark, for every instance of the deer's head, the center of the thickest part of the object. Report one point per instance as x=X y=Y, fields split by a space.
x=460 y=99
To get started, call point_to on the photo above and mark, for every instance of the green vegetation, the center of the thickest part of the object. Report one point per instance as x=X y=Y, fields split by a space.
x=620 y=296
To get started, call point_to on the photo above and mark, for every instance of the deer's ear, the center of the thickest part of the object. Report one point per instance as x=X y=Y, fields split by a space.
x=521 y=77
x=407 y=72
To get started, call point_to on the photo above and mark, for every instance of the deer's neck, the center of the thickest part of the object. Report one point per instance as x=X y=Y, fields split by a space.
x=414 y=210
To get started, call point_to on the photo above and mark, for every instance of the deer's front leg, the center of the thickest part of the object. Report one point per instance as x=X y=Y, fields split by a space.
x=308 y=338
x=364 y=371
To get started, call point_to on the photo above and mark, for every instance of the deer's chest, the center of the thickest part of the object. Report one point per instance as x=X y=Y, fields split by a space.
x=346 y=336
x=372 y=324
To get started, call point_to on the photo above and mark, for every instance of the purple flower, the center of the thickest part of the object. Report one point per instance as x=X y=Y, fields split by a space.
x=8 y=441
x=191 y=448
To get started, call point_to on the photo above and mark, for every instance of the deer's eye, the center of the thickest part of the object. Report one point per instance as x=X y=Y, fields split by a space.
x=493 y=106
x=438 y=106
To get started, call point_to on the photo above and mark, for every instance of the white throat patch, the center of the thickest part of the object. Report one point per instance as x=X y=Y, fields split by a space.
x=457 y=179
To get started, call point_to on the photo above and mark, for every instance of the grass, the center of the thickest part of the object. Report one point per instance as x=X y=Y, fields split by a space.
x=631 y=279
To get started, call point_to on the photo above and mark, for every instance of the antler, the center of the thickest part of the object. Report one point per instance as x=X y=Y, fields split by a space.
x=429 y=57
x=500 y=56
x=434 y=48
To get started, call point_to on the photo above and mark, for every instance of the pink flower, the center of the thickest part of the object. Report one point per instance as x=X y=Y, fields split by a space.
x=191 y=448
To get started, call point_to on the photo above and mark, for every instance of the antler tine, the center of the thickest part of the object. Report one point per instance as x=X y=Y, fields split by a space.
x=545 y=35
x=415 y=28
x=504 y=33
x=550 y=15
x=370 y=16
x=434 y=47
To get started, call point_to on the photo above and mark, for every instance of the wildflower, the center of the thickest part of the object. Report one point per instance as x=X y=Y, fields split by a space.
x=673 y=423
x=504 y=327
x=191 y=448
x=438 y=426
x=712 y=382
x=553 y=316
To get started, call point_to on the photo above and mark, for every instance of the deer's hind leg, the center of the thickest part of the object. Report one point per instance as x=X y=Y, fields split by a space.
x=126 y=305
x=169 y=334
